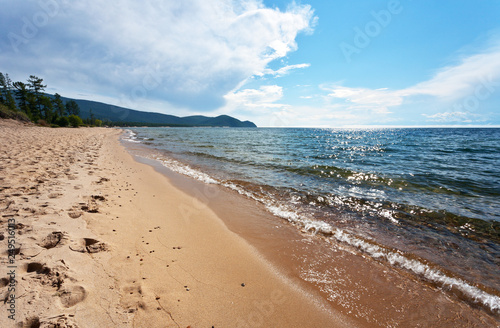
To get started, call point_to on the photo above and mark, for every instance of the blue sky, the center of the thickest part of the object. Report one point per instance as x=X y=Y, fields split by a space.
x=276 y=63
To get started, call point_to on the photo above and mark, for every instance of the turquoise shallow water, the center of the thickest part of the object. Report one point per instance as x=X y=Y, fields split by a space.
x=431 y=193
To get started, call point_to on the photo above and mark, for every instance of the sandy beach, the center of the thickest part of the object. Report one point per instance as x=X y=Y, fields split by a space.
x=100 y=240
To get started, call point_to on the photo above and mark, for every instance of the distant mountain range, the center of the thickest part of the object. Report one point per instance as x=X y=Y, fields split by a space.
x=128 y=117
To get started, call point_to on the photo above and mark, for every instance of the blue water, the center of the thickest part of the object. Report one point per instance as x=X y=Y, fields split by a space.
x=433 y=193
x=455 y=170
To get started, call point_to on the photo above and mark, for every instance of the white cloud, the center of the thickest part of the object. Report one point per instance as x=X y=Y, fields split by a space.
x=265 y=107
x=187 y=53
x=379 y=100
x=261 y=105
x=461 y=117
x=453 y=82
x=264 y=97
x=466 y=84
x=283 y=70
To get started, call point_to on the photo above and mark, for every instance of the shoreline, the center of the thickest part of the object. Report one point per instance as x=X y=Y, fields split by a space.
x=109 y=239
x=217 y=278
x=348 y=280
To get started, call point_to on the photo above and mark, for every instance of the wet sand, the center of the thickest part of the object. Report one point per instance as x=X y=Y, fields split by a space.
x=104 y=241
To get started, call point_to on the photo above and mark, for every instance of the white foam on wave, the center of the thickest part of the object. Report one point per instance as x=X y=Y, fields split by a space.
x=393 y=258
x=388 y=214
x=241 y=190
x=184 y=169
x=130 y=136
x=306 y=223
x=421 y=269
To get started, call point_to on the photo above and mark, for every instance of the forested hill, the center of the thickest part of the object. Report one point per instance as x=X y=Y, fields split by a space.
x=125 y=116
x=29 y=102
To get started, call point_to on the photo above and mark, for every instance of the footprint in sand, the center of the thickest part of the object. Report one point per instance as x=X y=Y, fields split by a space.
x=94 y=246
x=15 y=251
x=72 y=295
x=61 y=321
x=91 y=207
x=44 y=275
x=133 y=297
x=99 y=198
x=4 y=291
x=38 y=268
x=52 y=240
x=75 y=214
x=4 y=282
x=89 y=245
x=31 y=322
x=102 y=180
x=54 y=195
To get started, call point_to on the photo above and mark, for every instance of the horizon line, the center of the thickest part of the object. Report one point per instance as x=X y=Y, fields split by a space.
x=457 y=126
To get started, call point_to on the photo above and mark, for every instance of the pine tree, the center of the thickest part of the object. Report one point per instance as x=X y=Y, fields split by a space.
x=6 y=97
x=58 y=104
x=91 y=118
x=21 y=92
x=37 y=88
x=72 y=108
x=33 y=107
x=2 y=83
x=47 y=109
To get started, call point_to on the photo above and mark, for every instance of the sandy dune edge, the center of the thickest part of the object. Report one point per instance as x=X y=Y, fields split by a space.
x=104 y=241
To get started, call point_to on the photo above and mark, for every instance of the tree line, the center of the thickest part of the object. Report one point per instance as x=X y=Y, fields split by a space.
x=28 y=100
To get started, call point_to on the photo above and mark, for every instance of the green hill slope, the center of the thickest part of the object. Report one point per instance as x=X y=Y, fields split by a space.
x=125 y=116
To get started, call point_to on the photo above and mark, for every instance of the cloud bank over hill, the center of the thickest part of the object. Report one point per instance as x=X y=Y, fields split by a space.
x=187 y=54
